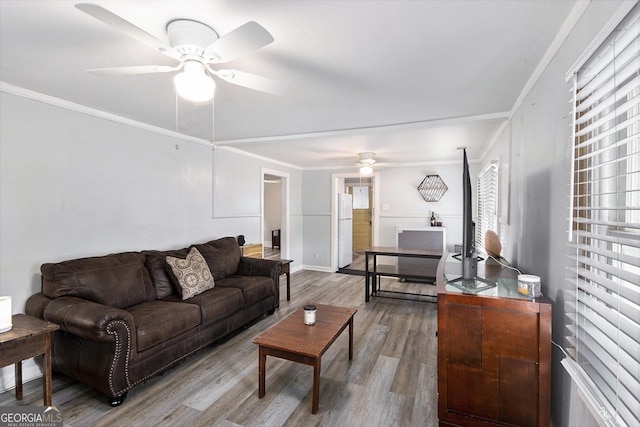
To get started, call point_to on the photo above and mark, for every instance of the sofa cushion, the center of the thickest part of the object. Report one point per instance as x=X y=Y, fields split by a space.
x=222 y=256
x=217 y=303
x=117 y=280
x=157 y=321
x=156 y=263
x=192 y=274
x=254 y=288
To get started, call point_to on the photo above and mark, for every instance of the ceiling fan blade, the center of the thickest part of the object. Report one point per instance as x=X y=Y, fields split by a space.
x=251 y=81
x=241 y=41
x=140 y=69
x=120 y=24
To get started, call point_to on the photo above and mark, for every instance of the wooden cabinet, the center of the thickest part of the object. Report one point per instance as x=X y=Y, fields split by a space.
x=494 y=358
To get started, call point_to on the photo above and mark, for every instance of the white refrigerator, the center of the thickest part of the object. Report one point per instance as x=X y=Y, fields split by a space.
x=345 y=234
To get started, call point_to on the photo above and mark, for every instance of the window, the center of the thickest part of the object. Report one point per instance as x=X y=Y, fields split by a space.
x=487 y=202
x=604 y=319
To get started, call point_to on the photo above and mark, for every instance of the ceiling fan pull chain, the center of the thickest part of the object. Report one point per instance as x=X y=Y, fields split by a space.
x=213 y=124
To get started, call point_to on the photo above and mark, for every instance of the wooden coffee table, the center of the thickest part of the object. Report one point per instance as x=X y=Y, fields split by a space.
x=291 y=339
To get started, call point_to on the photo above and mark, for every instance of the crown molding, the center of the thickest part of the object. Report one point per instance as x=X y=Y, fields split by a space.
x=255 y=156
x=83 y=109
x=358 y=131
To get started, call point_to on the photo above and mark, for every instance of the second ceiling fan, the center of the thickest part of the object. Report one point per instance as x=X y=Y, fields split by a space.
x=197 y=47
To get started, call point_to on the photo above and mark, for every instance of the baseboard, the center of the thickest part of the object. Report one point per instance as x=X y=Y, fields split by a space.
x=317 y=268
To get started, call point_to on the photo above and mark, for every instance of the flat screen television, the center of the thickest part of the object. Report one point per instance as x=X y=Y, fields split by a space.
x=469 y=258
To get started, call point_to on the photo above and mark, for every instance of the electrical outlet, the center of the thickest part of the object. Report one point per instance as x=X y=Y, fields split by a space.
x=317 y=255
x=385 y=206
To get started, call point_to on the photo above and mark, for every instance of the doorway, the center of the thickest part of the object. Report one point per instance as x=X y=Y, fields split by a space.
x=362 y=193
x=275 y=214
x=365 y=215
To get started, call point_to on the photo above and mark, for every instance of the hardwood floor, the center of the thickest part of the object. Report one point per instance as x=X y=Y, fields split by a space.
x=270 y=253
x=391 y=381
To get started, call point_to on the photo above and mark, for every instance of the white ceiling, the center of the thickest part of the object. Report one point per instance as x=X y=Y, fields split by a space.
x=410 y=80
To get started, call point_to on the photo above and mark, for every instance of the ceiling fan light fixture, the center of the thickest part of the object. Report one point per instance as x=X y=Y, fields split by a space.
x=366 y=170
x=366 y=162
x=194 y=84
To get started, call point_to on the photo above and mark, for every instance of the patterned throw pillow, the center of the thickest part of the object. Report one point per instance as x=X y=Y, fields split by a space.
x=192 y=273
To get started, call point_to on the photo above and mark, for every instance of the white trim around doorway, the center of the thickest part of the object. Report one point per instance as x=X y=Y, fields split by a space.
x=284 y=219
x=337 y=187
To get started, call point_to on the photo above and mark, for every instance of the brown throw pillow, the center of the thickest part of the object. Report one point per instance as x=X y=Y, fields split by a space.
x=193 y=274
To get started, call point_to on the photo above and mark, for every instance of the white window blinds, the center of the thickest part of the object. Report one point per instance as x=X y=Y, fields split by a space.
x=604 y=330
x=487 y=185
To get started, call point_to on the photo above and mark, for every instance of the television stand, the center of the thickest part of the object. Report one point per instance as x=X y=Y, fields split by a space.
x=494 y=350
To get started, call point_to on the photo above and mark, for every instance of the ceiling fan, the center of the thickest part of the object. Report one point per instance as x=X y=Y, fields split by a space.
x=196 y=46
x=366 y=163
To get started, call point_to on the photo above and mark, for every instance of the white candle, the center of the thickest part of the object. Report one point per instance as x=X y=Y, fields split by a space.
x=5 y=314
x=309 y=314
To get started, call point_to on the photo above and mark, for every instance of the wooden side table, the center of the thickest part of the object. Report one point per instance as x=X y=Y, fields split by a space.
x=28 y=338
x=252 y=250
x=286 y=269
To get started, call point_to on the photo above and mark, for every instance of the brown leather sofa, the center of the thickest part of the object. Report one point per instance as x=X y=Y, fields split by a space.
x=122 y=320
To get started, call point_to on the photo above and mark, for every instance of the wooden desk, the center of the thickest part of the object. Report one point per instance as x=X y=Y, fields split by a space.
x=494 y=350
x=28 y=338
x=291 y=339
x=372 y=275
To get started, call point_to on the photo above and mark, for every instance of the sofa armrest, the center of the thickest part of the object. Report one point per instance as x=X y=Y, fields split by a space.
x=262 y=267
x=95 y=342
x=259 y=267
x=36 y=304
x=90 y=320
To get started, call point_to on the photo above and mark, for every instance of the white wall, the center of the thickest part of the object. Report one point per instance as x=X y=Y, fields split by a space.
x=76 y=185
x=316 y=209
x=407 y=208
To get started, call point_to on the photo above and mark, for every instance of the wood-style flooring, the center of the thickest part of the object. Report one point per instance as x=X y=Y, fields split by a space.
x=391 y=381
